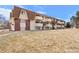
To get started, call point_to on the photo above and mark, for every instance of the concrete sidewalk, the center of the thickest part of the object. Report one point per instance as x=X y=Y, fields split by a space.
x=5 y=34
x=4 y=30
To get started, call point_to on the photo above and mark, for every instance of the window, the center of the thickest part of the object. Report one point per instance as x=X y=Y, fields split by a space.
x=22 y=12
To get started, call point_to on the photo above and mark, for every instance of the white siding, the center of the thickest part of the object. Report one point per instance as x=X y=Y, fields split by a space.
x=22 y=24
x=12 y=23
x=23 y=15
x=49 y=25
x=32 y=25
x=39 y=24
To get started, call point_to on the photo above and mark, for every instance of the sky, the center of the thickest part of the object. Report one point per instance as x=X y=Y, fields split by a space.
x=63 y=12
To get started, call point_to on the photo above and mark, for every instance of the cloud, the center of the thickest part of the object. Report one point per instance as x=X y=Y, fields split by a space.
x=5 y=12
x=38 y=7
x=67 y=19
x=70 y=15
x=21 y=6
x=41 y=12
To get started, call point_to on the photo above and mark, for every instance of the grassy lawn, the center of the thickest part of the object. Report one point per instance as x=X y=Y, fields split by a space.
x=64 y=40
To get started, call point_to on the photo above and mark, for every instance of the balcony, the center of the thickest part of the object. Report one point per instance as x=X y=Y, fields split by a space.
x=60 y=22
x=39 y=17
x=48 y=25
x=49 y=20
x=39 y=24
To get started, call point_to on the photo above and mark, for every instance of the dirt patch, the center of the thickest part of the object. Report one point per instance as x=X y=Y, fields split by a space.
x=64 y=40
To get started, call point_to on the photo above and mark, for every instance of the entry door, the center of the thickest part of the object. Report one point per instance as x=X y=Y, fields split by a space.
x=17 y=24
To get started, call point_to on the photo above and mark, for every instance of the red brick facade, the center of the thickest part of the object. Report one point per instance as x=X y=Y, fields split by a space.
x=17 y=24
x=27 y=24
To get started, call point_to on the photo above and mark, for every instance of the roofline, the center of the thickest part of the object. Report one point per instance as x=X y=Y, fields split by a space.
x=40 y=14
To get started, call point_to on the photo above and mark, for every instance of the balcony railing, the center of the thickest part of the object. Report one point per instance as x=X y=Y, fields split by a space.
x=39 y=24
x=48 y=25
x=60 y=22
x=38 y=17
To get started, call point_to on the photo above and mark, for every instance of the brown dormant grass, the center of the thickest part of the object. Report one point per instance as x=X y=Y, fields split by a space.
x=64 y=40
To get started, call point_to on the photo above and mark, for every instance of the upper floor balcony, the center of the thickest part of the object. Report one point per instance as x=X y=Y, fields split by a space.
x=49 y=20
x=39 y=24
x=45 y=20
x=39 y=17
x=60 y=22
x=49 y=25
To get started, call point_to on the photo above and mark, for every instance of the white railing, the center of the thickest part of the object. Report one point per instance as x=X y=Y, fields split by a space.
x=48 y=25
x=39 y=24
x=38 y=17
x=48 y=20
x=60 y=22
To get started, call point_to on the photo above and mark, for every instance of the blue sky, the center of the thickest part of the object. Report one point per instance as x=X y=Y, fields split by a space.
x=63 y=12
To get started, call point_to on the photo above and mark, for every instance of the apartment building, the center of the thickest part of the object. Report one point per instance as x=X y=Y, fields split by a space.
x=22 y=19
